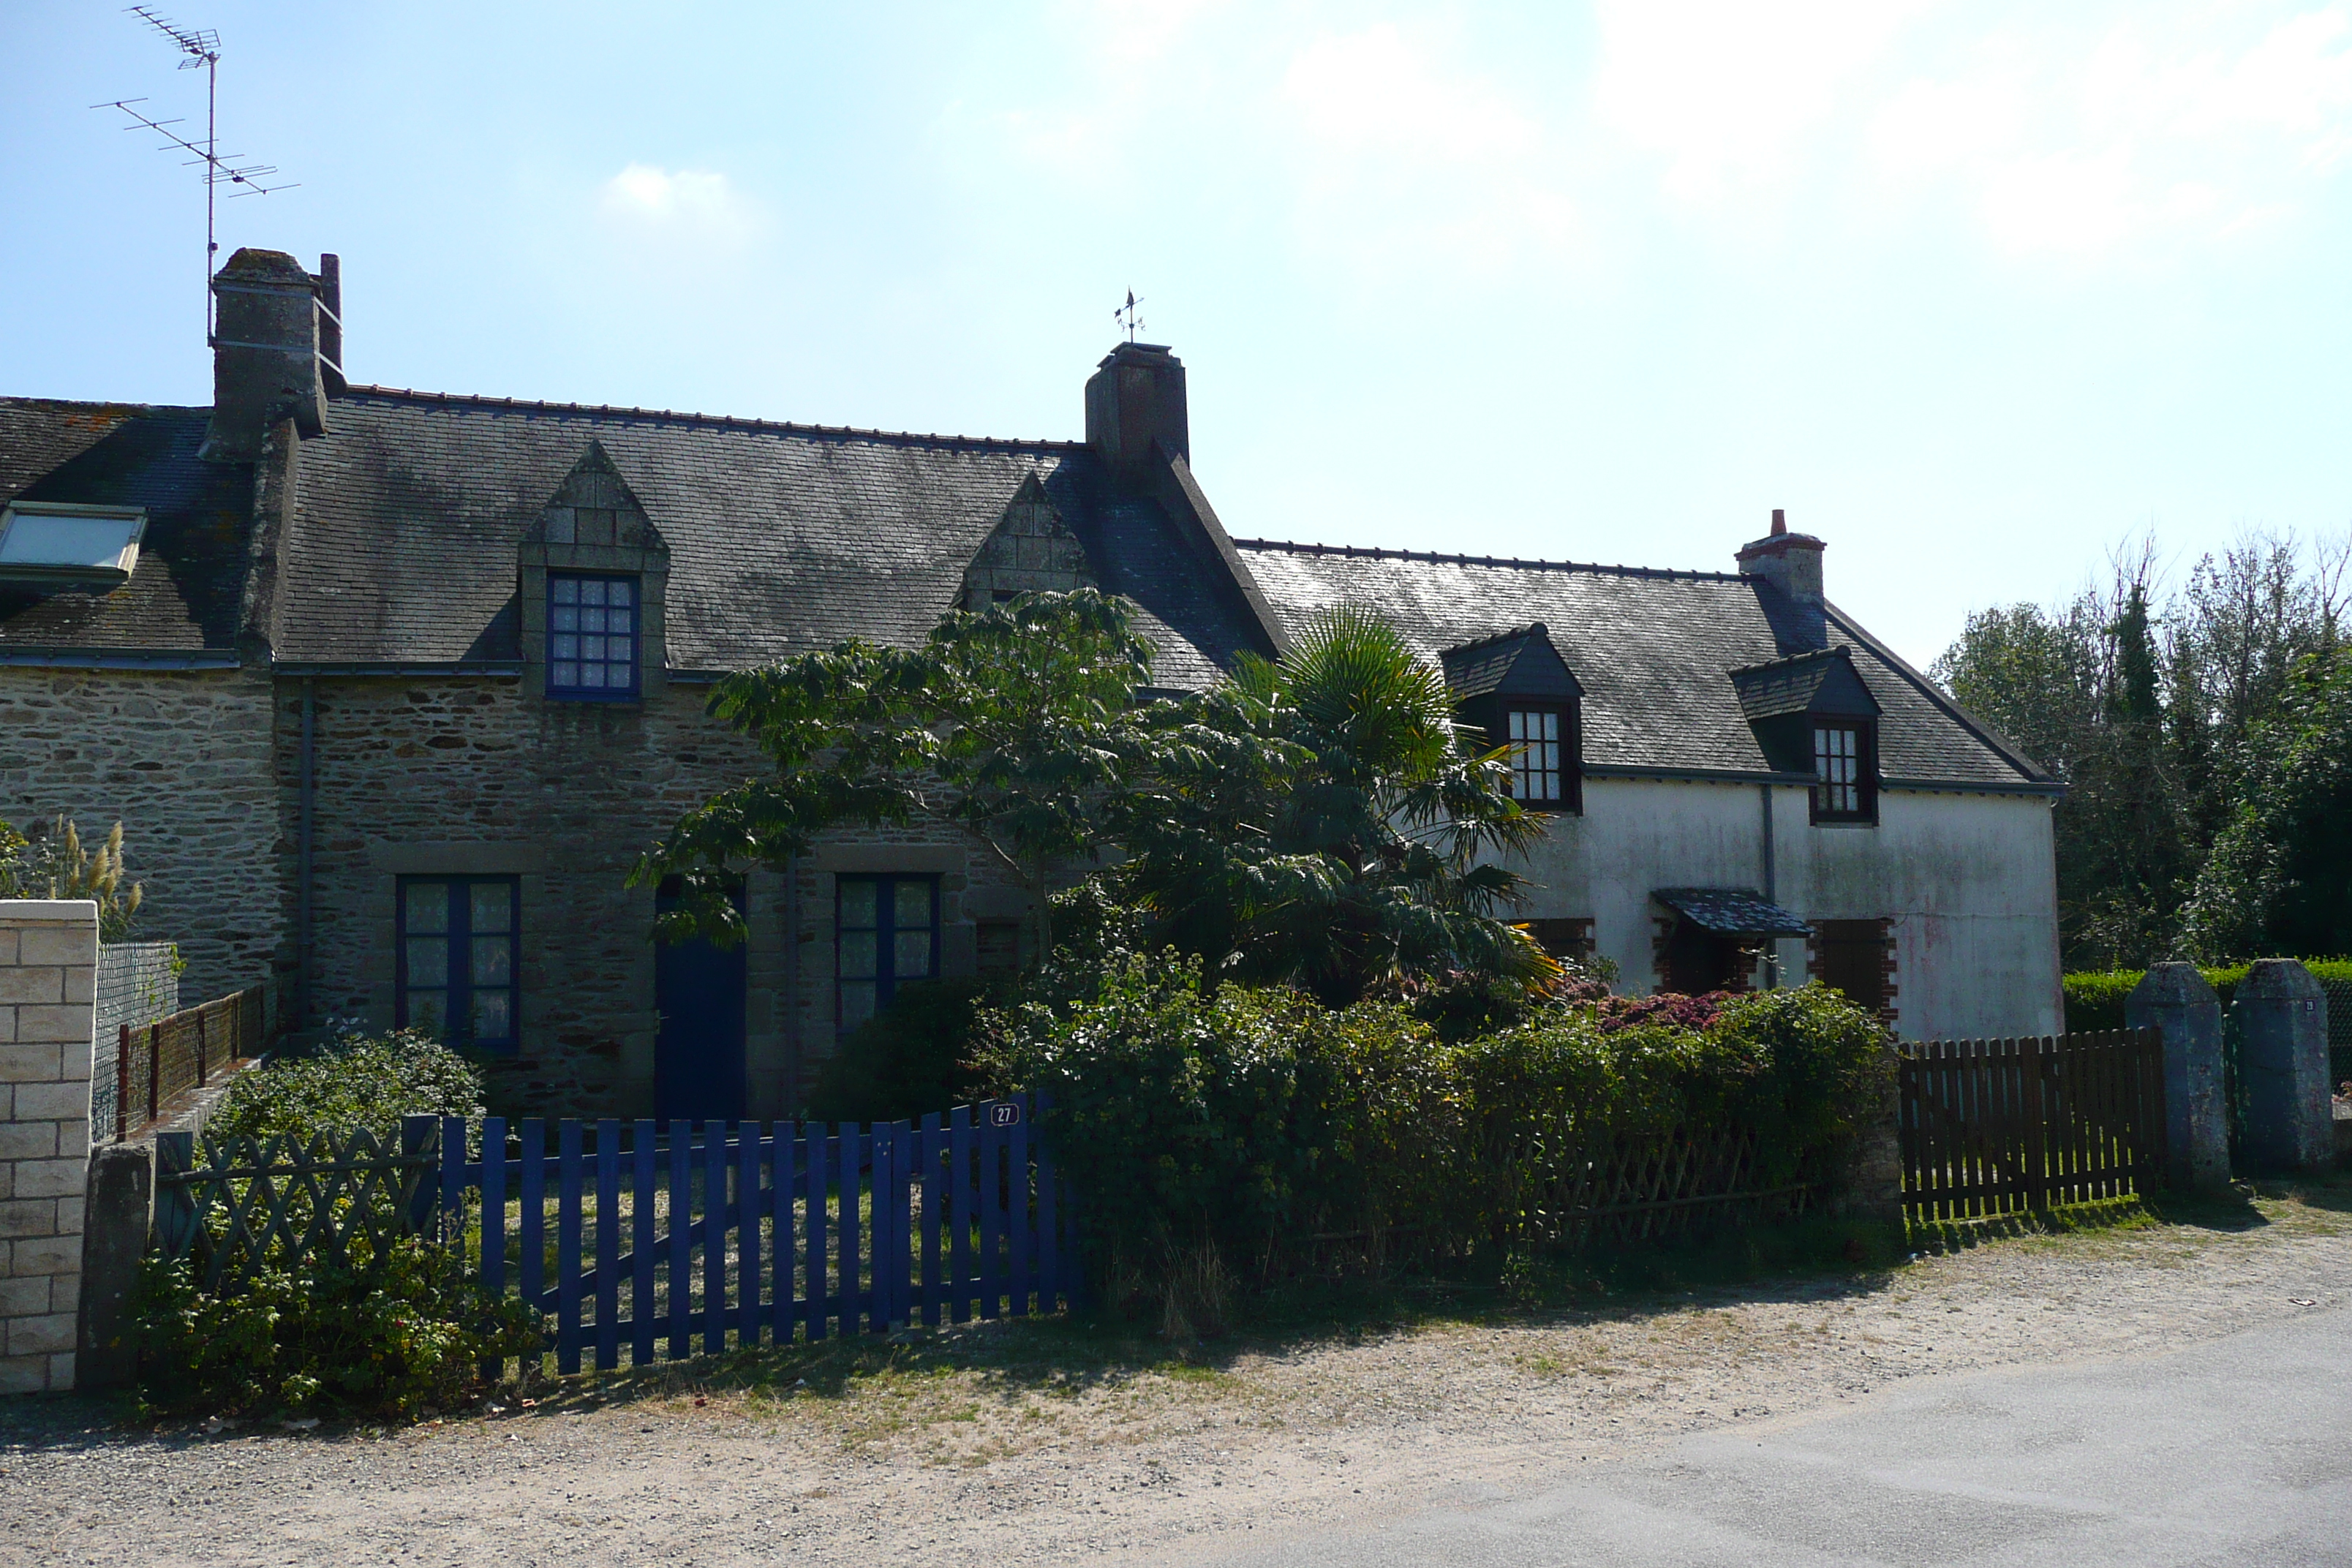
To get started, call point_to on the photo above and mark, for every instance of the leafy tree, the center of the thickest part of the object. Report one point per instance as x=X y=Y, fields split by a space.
x=1015 y=726
x=1321 y=819
x=2278 y=877
x=1325 y=821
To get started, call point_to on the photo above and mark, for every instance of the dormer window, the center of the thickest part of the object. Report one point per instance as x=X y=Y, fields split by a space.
x=63 y=541
x=592 y=637
x=1520 y=693
x=1534 y=734
x=1816 y=720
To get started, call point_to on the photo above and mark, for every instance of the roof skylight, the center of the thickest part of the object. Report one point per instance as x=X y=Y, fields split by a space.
x=69 y=543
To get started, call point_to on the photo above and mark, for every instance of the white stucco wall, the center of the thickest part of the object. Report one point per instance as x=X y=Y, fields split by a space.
x=1967 y=879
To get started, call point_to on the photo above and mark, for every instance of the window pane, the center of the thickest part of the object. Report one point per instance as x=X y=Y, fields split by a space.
x=427 y=1009
x=493 y=906
x=856 y=904
x=429 y=960
x=856 y=1002
x=592 y=620
x=564 y=674
x=911 y=904
x=564 y=645
x=592 y=592
x=857 y=954
x=567 y=590
x=565 y=618
x=617 y=593
x=428 y=907
x=591 y=675
x=493 y=1015
x=910 y=956
x=592 y=648
x=493 y=961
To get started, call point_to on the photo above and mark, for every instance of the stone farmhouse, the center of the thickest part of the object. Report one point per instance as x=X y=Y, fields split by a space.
x=390 y=688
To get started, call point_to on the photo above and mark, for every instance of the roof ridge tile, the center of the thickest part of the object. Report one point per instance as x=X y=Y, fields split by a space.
x=1436 y=558
x=724 y=421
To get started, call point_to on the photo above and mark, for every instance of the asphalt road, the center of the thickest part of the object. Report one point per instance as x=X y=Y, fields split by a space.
x=2233 y=1451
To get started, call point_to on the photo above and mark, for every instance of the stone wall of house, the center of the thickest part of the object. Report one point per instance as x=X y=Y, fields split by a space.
x=475 y=776
x=48 y=968
x=183 y=761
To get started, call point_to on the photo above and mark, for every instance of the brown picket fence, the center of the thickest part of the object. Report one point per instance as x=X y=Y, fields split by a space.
x=157 y=1064
x=1992 y=1127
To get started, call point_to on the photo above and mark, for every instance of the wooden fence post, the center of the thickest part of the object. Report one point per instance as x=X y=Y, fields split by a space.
x=2036 y=1059
x=420 y=1140
x=121 y=1082
x=175 y=1204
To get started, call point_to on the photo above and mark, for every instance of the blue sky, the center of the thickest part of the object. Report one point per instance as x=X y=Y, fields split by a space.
x=1975 y=290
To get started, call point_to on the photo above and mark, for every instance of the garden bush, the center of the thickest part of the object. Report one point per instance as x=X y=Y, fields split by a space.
x=2094 y=999
x=358 y=1082
x=388 y=1338
x=1213 y=1131
x=911 y=1058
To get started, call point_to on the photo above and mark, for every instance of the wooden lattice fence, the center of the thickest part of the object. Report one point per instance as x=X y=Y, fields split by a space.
x=1624 y=1189
x=238 y=1205
x=1989 y=1127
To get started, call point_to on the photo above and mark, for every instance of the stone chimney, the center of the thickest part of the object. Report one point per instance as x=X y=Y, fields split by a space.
x=1792 y=564
x=330 y=323
x=1135 y=397
x=266 y=353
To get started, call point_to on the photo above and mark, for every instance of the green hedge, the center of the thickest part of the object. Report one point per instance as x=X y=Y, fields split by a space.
x=1210 y=1130
x=2096 y=1000
x=358 y=1082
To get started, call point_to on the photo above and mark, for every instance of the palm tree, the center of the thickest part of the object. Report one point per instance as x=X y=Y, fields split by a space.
x=1324 y=820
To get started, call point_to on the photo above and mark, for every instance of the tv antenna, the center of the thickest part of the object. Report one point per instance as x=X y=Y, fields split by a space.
x=200 y=48
x=1125 y=316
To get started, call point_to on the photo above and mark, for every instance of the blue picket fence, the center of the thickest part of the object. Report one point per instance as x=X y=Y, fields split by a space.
x=665 y=1240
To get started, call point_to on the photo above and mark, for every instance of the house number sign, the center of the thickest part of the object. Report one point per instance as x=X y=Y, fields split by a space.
x=1004 y=1114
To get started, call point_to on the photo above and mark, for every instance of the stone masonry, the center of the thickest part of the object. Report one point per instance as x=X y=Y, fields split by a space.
x=181 y=760
x=48 y=969
x=477 y=776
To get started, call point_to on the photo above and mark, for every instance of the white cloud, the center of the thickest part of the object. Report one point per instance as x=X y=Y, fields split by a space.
x=1374 y=93
x=669 y=209
x=1727 y=89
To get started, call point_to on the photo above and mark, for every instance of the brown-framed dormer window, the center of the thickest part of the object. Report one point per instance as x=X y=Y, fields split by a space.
x=1537 y=736
x=1845 y=770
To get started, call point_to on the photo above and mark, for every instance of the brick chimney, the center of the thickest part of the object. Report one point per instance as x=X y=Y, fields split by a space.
x=1791 y=564
x=1134 y=397
x=266 y=353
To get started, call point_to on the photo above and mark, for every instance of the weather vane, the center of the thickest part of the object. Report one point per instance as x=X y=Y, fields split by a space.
x=200 y=48
x=1126 y=317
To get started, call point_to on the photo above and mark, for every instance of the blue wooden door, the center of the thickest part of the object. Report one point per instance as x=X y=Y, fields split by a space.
x=698 y=1058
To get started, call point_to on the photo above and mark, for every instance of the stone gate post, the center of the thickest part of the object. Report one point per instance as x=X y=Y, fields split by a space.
x=48 y=978
x=2282 y=1013
x=2175 y=998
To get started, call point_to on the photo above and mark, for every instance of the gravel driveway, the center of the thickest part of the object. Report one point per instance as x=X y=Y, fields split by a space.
x=934 y=1451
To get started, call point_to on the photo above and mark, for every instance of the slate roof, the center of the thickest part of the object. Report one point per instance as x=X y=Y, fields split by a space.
x=1733 y=911
x=1653 y=650
x=1824 y=680
x=784 y=538
x=183 y=593
x=1478 y=668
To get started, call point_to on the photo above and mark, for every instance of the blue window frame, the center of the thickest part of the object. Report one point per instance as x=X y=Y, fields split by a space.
x=593 y=622
x=886 y=933
x=458 y=959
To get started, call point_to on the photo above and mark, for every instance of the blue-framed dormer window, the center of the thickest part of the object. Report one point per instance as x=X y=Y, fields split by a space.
x=458 y=959
x=886 y=933
x=593 y=626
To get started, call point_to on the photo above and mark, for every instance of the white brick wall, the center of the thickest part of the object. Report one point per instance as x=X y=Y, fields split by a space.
x=49 y=971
